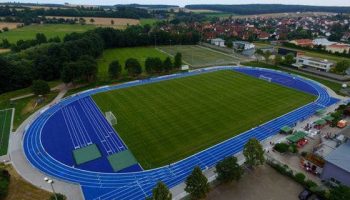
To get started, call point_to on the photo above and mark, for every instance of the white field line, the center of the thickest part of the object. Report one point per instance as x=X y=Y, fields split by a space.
x=172 y=55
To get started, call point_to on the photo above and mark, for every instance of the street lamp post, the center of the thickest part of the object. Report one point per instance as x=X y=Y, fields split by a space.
x=50 y=181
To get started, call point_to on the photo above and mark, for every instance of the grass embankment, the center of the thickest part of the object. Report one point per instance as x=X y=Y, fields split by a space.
x=167 y=121
x=19 y=189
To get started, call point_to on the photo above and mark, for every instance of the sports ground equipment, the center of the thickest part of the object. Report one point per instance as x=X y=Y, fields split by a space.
x=111 y=118
x=133 y=184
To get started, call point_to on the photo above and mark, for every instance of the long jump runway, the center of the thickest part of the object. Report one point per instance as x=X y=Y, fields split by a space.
x=83 y=123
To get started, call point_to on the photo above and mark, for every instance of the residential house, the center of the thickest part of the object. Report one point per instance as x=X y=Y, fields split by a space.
x=338 y=47
x=302 y=42
x=218 y=42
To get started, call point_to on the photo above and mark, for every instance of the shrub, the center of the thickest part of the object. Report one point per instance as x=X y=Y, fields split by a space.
x=4 y=183
x=40 y=87
x=293 y=148
x=309 y=184
x=304 y=154
x=300 y=178
x=59 y=197
x=281 y=147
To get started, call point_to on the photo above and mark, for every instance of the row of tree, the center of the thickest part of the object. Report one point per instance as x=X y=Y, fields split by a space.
x=227 y=170
x=46 y=61
x=152 y=66
x=27 y=15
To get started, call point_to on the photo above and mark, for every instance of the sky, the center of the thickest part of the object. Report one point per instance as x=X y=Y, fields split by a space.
x=183 y=2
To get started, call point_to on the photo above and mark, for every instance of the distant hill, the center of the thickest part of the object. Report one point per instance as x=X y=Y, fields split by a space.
x=251 y=9
x=149 y=7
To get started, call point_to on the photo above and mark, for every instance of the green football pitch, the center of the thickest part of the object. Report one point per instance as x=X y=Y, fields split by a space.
x=198 y=56
x=5 y=129
x=167 y=121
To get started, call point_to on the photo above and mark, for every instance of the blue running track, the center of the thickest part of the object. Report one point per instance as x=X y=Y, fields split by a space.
x=77 y=122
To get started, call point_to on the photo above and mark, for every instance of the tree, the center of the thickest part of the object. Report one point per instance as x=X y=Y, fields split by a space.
x=167 y=64
x=197 y=184
x=92 y=20
x=342 y=66
x=178 y=60
x=341 y=192
x=112 y=22
x=161 y=192
x=114 y=69
x=289 y=59
x=133 y=67
x=4 y=183
x=228 y=170
x=5 y=29
x=267 y=55
x=41 y=38
x=253 y=153
x=88 y=69
x=278 y=59
x=40 y=87
x=69 y=72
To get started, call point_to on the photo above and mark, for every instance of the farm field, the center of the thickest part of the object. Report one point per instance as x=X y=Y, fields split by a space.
x=122 y=54
x=5 y=129
x=167 y=121
x=50 y=30
x=197 y=56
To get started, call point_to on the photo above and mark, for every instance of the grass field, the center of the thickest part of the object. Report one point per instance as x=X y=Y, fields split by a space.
x=5 y=129
x=168 y=121
x=122 y=54
x=197 y=56
x=50 y=30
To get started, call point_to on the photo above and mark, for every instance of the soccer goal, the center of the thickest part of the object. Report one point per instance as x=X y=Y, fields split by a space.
x=265 y=78
x=111 y=118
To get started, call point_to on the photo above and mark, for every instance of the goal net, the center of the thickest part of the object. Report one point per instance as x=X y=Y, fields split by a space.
x=111 y=118
x=265 y=78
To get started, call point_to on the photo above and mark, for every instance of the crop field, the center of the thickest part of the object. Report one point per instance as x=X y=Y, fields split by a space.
x=167 y=121
x=197 y=56
x=50 y=30
x=122 y=54
x=5 y=129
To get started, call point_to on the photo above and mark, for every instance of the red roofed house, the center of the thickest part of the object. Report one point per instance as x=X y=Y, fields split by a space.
x=338 y=47
x=303 y=42
x=263 y=36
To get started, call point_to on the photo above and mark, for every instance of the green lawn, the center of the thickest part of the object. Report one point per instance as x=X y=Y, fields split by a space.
x=122 y=54
x=5 y=129
x=150 y=21
x=50 y=30
x=24 y=107
x=167 y=121
x=198 y=56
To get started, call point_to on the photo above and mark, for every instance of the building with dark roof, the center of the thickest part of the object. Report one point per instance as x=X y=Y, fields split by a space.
x=337 y=166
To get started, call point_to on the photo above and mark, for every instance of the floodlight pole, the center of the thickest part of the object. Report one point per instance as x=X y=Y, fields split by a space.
x=50 y=181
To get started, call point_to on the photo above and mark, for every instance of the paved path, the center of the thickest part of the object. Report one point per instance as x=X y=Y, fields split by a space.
x=27 y=171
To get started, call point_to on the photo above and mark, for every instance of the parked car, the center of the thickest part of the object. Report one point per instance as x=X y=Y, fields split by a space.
x=305 y=194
